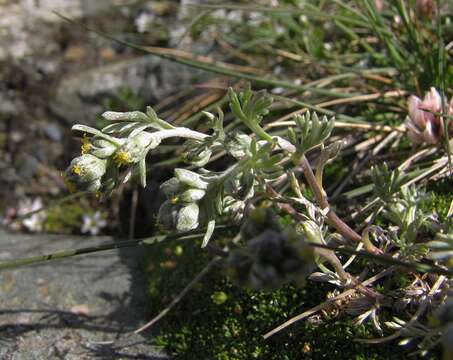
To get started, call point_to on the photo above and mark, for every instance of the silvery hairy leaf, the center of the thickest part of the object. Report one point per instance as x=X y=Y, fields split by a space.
x=188 y=218
x=171 y=187
x=168 y=215
x=238 y=145
x=192 y=195
x=132 y=116
x=89 y=130
x=208 y=234
x=101 y=148
x=198 y=153
x=191 y=179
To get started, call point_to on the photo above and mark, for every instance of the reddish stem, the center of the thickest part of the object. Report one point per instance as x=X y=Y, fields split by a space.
x=332 y=217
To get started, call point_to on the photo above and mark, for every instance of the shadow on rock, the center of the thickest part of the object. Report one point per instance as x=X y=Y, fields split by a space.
x=78 y=308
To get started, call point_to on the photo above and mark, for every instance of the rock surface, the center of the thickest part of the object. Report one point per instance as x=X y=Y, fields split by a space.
x=76 y=308
x=54 y=74
x=78 y=96
x=24 y=24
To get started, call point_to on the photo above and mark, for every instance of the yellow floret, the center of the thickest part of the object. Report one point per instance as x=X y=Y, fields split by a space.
x=174 y=200
x=86 y=146
x=76 y=170
x=122 y=158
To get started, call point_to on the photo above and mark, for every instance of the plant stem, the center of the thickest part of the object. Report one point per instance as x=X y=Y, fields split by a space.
x=322 y=201
x=231 y=171
x=321 y=197
x=388 y=260
x=9 y=264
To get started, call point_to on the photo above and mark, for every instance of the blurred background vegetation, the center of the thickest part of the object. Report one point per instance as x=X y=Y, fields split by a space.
x=357 y=60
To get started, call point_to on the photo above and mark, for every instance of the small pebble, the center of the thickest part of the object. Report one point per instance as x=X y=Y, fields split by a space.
x=81 y=310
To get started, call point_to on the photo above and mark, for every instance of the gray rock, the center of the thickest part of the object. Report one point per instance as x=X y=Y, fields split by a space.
x=7 y=107
x=25 y=26
x=78 y=308
x=27 y=166
x=78 y=96
x=53 y=132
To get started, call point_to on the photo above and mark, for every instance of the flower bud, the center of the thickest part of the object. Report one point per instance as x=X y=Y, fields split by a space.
x=200 y=158
x=238 y=144
x=233 y=208
x=73 y=185
x=135 y=149
x=168 y=215
x=174 y=216
x=329 y=152
x=86 y=169
x=422 y=124
x=93 y=186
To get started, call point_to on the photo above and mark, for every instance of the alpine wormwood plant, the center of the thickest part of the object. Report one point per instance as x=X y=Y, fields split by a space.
x=200 y=198
x=262 y=176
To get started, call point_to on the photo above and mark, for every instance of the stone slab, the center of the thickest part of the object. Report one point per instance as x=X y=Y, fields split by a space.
x=78 y=308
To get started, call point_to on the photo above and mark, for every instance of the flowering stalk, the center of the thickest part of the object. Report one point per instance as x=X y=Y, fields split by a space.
x=199 y=198
x=319 y=193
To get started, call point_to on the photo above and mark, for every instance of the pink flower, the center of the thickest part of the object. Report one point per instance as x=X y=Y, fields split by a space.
x=379 y=5
x=422 y=124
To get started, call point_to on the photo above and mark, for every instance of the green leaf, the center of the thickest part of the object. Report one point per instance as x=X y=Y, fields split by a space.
x=311 y=131
x=386 y=182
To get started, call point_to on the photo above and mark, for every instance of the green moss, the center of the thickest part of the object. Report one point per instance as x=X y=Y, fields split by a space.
x=203 y=328
x=66 y=218
x=438 y=198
